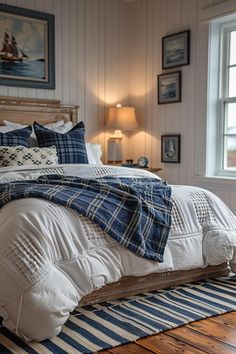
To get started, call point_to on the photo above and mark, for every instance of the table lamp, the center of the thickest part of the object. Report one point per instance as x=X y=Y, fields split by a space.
x=119 y=119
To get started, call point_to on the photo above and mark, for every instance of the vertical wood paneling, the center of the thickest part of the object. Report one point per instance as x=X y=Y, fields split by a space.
x=156 y=123
x=138 y=70
x=73 y=17
x=79 y=71
x=90 y=63
x=67 y=52
x=149 y=76
x=156 y=19
x=101 y=75
x=161 y=109
x=187 y=117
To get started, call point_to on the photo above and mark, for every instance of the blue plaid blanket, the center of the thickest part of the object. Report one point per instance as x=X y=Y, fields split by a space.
x=136 y=212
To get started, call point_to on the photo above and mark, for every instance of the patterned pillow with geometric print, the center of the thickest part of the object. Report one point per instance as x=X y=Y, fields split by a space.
x=20 y=156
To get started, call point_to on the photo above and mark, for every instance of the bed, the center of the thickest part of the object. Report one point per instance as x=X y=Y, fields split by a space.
x=44 y=278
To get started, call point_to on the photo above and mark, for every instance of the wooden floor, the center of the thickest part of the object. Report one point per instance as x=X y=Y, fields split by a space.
x=214 y=335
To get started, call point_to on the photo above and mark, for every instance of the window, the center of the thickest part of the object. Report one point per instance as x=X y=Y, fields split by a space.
x=229 y=98
x=221 y=151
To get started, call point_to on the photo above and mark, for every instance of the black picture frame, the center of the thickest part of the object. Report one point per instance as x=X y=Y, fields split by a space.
x=27 y=54
x=176 y=50
x=169 y=87
x=170 y=148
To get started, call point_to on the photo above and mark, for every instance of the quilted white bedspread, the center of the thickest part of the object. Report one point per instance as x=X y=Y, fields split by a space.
x=50 y=256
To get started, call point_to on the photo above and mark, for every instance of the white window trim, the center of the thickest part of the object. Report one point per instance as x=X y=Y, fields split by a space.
x=208 y=13
x=225 y=30
x=218 y=31
x=203 y=174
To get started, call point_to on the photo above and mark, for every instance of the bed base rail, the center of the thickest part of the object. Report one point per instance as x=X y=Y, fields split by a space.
x=128 y=286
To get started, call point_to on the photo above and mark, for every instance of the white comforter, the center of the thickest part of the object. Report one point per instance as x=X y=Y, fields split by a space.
x=50 y=256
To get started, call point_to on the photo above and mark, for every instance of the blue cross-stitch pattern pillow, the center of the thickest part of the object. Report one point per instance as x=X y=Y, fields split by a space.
x=70 y=146
x=17 y=137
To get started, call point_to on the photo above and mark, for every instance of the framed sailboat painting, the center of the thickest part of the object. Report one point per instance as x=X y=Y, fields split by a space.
x=27 y=51
x=170 y=148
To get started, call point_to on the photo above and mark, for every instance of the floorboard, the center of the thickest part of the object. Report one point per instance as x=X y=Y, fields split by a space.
x=213 y=336
x=201 y=341
x=163 y=343
x=215 y=330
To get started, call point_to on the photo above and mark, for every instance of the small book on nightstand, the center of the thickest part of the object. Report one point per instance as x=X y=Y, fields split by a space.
x=130 y=165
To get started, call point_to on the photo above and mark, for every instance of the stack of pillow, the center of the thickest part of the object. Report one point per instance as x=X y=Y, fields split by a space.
x=46 y=145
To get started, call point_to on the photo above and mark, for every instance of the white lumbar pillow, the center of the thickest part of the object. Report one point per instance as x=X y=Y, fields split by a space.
x=94 y=152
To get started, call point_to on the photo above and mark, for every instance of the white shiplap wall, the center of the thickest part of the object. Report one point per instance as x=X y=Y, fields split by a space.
x=91 y=44
x=152 y=20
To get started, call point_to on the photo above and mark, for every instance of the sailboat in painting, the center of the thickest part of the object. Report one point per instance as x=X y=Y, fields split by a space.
x=10 y=50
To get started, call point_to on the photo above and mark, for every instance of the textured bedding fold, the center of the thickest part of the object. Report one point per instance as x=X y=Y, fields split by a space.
x=135 y=212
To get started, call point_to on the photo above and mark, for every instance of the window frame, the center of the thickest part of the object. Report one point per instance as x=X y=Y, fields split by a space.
x=223 y=99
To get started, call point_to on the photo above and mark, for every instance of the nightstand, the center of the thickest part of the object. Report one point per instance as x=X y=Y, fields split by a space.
x=152 y=169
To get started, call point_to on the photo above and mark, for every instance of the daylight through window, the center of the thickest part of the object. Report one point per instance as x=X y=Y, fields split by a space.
x=221 y=156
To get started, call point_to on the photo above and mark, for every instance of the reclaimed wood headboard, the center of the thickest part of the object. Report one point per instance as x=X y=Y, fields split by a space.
x=28 y=110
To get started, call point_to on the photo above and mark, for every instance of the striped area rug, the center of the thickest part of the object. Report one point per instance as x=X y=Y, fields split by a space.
x=93 y=328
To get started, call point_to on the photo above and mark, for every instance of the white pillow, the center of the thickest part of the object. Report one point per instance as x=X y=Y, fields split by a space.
x=18 y=125
x=4 y=129
x=21 y=156
x=94 y=152
x=59 y=127
x=64 y=128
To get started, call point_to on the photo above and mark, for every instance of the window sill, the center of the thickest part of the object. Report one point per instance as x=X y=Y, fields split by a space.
x=216 y=182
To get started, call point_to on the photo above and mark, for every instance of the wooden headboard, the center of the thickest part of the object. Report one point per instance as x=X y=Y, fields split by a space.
x=27 y=110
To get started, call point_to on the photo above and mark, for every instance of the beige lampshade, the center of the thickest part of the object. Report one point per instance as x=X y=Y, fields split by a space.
x=122 y=118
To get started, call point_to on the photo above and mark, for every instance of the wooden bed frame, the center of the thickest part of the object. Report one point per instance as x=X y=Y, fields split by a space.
x=26 y=111
x=128 y=286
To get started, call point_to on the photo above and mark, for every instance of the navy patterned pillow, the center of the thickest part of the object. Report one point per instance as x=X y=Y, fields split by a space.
x=17 y=137
x=70 y=146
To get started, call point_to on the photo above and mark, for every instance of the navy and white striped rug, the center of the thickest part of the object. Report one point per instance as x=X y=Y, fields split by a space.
x=93 y=328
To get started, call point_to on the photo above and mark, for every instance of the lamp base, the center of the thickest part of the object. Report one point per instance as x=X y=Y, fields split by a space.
x=114 y=150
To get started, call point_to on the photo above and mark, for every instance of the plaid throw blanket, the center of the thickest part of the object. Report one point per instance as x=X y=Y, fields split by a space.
x=136 y=212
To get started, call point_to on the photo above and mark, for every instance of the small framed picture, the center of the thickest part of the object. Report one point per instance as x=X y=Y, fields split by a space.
x=176 y=50
x=170 y=148
x=169 y=87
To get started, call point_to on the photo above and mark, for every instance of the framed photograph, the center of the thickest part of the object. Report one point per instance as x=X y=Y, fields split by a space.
x=27 y=52
x=169 y=87
x=176 y=50
x=170 y=148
